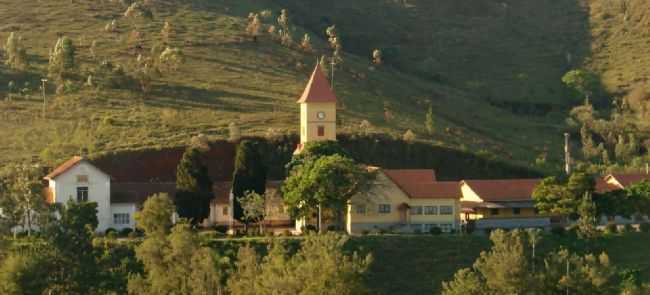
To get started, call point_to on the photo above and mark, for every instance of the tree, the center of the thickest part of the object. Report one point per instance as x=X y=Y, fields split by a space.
x=429 y=123
x=587 y=222
x=377 y=58
x=62 y=58
x=167 y=32
x=175 y=264
x=286 y=37
x=254 y=26
x=145 y=72
x=582 y=81
x=409 y=136
x=249 y=175
x=305 y=45
x=503 y=270
x=335 y=43
x=193 y=187
x=21 y=197
x=16 y=53
x=23 y=273
x=320 y=266
x=254 y=208
x=234 y=134
x=326 y=181
x=155 y=217
x=553 y=197
x=70 y=237
x=171 y=59
x=315 y=149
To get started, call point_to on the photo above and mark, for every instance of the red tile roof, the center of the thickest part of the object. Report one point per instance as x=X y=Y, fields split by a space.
x=628 y=179
x=432 y=190
x=500 y=190
x=602 y=186
x=64 y=167
x=410 y=175
x=422 y=184
x=318 y=88
x=138 y=192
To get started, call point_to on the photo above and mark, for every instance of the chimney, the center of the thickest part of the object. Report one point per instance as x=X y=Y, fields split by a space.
x=567 y=154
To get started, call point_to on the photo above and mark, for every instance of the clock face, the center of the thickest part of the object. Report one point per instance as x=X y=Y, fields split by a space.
x=320 y=115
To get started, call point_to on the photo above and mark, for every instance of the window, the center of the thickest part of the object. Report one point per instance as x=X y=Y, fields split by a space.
x=516 y=211
x=121 y=218
x=416 y=210
x=494 y=211
x=430 y=210
x=321 y=130
x=82 y=194
x=384 y=208
x=446 y=210
x=82 y=178
x=445 y=227
x=225 y=211
x=361 y=209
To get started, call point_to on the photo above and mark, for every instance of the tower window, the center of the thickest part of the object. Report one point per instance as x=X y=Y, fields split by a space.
x=321 y=130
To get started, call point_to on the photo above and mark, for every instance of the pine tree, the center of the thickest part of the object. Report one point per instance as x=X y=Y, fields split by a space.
x=62 y=58
x=254 y=26
x=16 y=53
x=430 y=124
x=587 y=222
x=193 y=187
x=377 y=58
x=305 y=45
x=249 y=175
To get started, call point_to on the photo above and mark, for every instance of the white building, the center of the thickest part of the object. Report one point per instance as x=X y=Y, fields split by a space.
x=78 y=180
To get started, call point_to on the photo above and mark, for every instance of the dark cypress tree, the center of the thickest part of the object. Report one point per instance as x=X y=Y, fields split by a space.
x=249 y=175
x=193 y=187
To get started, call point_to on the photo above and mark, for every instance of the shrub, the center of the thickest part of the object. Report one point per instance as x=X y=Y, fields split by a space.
x=132 y=235
x=558 y=230
x=221 y=229
x=644 y=227
x=287 y=233
x=611 y=228
x=310 y=227
x=125 y=231
x=628 y=228
x=488 y=231
x=435 y=231
x=383 y=231
x=365 y=232
x=109 y=231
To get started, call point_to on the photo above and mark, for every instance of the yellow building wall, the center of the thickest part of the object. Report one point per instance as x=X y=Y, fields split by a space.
x=309 y=121
x=384 y=191
x=508 y=213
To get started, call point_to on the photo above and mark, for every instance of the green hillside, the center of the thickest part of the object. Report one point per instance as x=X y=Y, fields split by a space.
x=491 y=71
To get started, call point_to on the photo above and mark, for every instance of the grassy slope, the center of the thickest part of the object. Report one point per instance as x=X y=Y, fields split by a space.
x=226 y=79
x=491 y=69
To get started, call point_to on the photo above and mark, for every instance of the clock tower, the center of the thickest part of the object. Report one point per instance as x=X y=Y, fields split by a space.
x=317 y=110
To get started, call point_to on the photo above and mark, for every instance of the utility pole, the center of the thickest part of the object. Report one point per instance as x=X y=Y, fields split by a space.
x=43 y=81
x=320 y=220
x=333 y=64
x=567 y=275
x=567 y=154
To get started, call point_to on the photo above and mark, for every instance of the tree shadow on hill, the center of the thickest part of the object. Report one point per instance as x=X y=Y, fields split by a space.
x=185 y=97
